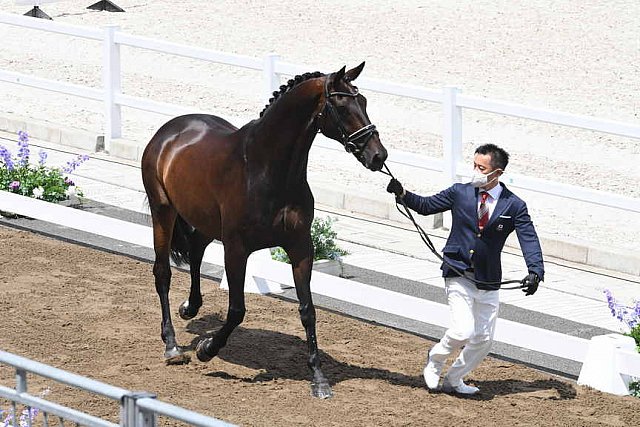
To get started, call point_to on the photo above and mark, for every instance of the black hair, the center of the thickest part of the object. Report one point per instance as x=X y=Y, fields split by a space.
x=290 y=84
x=499 y=157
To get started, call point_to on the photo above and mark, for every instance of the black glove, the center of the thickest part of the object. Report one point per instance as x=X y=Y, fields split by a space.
x=531 y=284
x=395 y=187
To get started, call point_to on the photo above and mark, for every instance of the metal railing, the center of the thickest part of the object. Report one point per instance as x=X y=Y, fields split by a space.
x=137 y=409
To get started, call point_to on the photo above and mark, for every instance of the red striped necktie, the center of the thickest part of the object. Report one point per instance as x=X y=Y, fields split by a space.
x=483 y=211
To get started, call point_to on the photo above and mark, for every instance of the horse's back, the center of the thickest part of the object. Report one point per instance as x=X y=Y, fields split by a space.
x=185 y=130
x=201 y=122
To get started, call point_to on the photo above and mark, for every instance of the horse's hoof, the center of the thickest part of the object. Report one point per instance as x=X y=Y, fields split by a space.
x=185 y=312
x=201 y=353
x=175 y=356
x=321 y=390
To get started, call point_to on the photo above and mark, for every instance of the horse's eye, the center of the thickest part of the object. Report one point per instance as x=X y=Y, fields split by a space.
x=342 y=107
x=341 y=101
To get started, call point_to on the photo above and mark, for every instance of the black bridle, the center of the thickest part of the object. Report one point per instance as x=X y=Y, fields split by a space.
x=357 y=141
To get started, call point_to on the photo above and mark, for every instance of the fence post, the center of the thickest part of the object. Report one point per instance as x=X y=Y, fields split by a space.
x=270 y=77
x=21 y=387
x=131 y=415
x=452 y=133
x=111 y=84
x=21 y=381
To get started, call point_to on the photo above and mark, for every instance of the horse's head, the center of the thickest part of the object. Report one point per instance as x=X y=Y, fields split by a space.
x=344 y=118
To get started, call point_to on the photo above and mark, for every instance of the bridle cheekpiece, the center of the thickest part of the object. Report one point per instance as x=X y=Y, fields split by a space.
x=357 y=141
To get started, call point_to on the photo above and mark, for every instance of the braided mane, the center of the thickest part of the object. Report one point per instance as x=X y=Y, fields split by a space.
x=290 y=85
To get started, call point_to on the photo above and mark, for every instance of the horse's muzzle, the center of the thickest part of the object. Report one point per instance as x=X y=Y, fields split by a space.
x=377 y=162
x=377 y=158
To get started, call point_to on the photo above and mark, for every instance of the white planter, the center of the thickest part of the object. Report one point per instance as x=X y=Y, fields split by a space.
x=72 y=202
x=600 y=369
x=329 y=266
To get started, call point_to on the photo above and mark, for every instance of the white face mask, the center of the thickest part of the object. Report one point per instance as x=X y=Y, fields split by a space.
x=480 y=180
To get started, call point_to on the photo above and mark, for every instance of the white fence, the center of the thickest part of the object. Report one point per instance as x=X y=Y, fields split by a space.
x=508 y=332
x=272 y=67
x=137 y=409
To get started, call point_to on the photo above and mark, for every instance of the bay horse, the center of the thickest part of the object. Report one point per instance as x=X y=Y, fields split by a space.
x=207 y=180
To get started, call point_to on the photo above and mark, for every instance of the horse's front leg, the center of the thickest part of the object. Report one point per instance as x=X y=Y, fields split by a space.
x=301 y=257
x=235 y=265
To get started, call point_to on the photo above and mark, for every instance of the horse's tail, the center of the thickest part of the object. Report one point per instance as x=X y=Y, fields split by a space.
x=180 y=247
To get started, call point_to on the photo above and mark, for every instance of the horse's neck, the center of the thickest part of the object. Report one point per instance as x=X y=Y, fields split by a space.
x=282 y=140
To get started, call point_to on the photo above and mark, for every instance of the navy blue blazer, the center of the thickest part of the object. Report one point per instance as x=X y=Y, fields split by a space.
x=467 y=247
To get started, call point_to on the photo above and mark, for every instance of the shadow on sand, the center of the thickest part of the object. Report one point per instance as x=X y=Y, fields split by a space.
x=284 y=356
x=493 y=388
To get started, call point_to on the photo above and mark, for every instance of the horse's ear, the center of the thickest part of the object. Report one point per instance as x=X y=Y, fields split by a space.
x=339 y=74
x=353 y=73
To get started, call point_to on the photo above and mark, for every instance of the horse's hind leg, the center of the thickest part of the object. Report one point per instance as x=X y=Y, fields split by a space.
x=190 y=307
x=235 y=265
x=163 y=222
x=302 y=260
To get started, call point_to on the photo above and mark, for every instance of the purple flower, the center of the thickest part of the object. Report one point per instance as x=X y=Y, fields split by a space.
x=73 y=164
x=630 y=316
x=43 y=157
x=68 y=181
x=14 y=185
x=27 y=416
x=5 y=156
x=23 y=153
x=23 y=136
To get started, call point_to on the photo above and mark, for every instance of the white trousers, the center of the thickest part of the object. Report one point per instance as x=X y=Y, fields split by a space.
x=473 y=319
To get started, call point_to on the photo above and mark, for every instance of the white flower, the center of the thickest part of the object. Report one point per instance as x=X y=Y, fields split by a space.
x=38 y=192
x=71 y=191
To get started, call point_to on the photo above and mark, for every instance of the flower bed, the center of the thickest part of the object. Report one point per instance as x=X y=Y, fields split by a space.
x=18 y=174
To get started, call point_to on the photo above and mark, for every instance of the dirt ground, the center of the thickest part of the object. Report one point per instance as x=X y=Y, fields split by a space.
x=97 y=314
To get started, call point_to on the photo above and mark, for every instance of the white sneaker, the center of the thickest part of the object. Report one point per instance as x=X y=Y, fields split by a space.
x=459 y=388
x=431 y=375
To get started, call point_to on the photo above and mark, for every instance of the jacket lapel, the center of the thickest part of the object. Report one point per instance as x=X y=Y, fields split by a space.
x=503 y=203
x=472 y=208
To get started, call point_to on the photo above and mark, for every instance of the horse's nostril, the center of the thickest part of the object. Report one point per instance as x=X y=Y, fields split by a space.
x=377 y=161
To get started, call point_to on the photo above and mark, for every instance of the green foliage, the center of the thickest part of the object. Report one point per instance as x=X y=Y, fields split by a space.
x=635 y=334
x=323 y=237
x=634 y=388
x=33 y=179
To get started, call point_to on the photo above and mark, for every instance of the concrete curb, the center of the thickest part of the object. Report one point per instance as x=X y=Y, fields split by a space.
x=341 y=198
x=49 y=132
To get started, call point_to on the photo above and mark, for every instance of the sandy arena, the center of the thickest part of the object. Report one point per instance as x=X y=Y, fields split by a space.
x=97 y=314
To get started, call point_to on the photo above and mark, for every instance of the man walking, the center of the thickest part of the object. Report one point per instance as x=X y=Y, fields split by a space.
x=484 y=212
